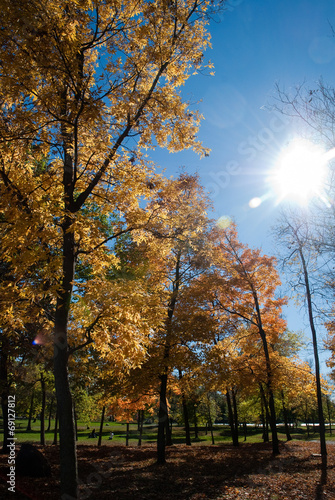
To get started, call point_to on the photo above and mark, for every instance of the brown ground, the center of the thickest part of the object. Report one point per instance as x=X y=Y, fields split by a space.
x=191 y=473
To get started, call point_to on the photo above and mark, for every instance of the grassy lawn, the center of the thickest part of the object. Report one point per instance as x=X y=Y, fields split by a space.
x=119 y=429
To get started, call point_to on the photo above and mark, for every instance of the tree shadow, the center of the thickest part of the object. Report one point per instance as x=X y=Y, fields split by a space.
x=319 y=491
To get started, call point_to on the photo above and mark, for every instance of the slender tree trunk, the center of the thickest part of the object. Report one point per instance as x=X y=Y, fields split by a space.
x=323 y=447
x=50 y=414
x=265 y=413
x=329 y=415
x=56 y=429
x=140 y=422
x=42 y=434
x=127 y=434
x=168 y=432
x=186 y=415
x=4 y=388
x=196 y=433
x=210 y=419
x=162 y=419
x=287 y=429
x=245 y=430
x=235 y=415
x=31 y=408
x=101 y=425
x=234 y=435
x=273 y=419
x=75 y=420
x=186 y=420
x=67 y=438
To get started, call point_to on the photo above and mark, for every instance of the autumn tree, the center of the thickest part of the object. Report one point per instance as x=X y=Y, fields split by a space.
x=247 y=282
x=302 y=261
x=90 y=85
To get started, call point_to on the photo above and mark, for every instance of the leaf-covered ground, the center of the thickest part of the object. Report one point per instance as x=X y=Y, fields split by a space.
x=194 y=473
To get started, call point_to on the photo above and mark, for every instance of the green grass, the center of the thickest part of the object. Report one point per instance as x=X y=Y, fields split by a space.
x=221 y=433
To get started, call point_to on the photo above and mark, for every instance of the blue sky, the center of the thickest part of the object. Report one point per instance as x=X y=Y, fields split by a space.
x=257 y=44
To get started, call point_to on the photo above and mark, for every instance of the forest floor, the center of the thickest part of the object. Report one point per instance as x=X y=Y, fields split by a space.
x=195 y=472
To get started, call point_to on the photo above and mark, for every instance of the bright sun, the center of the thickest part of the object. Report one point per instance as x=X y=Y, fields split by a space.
x=300 y=171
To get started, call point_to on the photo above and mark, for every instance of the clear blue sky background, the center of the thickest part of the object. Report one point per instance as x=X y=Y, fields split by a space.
x=256 y=44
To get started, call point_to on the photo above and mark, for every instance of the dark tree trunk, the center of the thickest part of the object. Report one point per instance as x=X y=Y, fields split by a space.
x=323 y=447
x=233 y=392
x=67 y=438
x=75 y=420
x=168 y=432
x=265 y=413
x=101 y=425
x=245 y=430
x=56 y=429
x=287 y=429
x=186 y=420
x=140 y=426
x=50 y=414
x=4 y=388
x=329 y=414
x=210 y=419
x=196 y=433
x=42 y=434
x=162 y=419
x=127 y=434
x=31 y=410
x=234 y=434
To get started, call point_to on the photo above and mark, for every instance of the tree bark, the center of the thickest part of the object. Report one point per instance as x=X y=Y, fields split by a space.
x=127 y=434
x=67 y=439
x=42 y=433
x=186 y=420
x=234 y=435
x=30 y=410
x=101 y=425
x=56 y=429
x=162 y=419
x=210 y=419
x=168 y=432
x=323 y=447
x=4 y=387
x=235 y=414
x=265 y=413
x=50 y=414
x=140 y=426
x=287 y=429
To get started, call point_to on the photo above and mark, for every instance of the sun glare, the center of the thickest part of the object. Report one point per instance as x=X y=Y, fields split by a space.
x=300 y=171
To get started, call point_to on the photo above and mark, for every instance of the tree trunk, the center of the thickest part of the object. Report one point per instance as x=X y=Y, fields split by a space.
x=196 y=434
x=186 y=420
x=323 y=447
x=162 y=419
x=50 y=414
x=56 y=429
x=140 y=426
x=42 y=434
x=287 y=429
x=67 y=438
x=31 y=408
x=210 y=419
x=265 y=413
x=329 y=415
x=234 y=435
x=235 y=415
x=168 y=431
x=127 y=434
x=4 y=388
x=101 y=425
x=75 y=420
x=245 y=430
